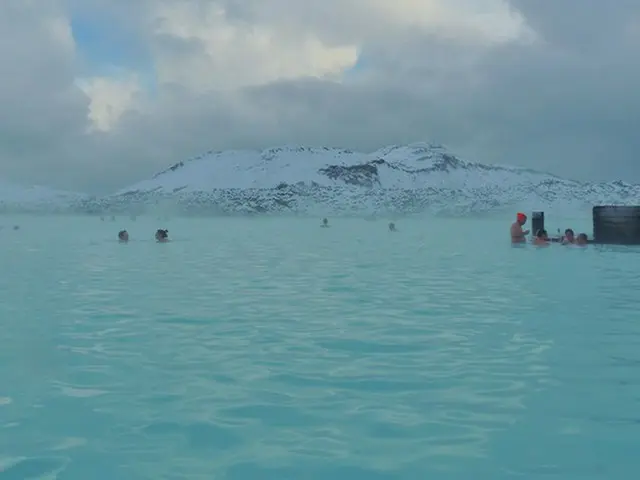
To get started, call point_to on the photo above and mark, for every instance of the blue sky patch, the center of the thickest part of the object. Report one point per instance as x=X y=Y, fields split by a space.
x=106 y=46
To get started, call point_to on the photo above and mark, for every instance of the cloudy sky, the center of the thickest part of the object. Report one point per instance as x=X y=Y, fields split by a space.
x=97 y=94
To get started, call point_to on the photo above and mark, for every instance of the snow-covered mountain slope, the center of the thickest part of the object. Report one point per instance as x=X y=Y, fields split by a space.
x=35 y=198
x=398 y=179
x=409 y=167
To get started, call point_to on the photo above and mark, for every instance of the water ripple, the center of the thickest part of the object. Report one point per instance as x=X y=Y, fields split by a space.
x=274 y=349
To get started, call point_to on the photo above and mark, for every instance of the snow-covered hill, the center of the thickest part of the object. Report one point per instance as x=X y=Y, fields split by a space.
x=17 y=198
x=409 y=167
x=396 y=179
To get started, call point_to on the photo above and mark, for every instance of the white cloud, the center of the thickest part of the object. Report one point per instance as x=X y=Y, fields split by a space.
x=485 y=21
x=109 y=99
x=60 y=31
x=235 y=54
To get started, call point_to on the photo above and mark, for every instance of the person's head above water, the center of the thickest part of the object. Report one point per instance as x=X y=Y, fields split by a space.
x=162 y=235
x=392 y=227
x=325 y=221
x=541 y=238
x=123 y=236
x=569 y=236
x=582 y=239
x=521 y=218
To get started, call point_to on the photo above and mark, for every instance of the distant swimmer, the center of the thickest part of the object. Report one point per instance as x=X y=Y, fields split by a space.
x=123 y=236
x=325 y=223
x=162 y=236
x=392 y=227
x=517 y=234
x=541 y=239
x=582 y=240
x=569 y=237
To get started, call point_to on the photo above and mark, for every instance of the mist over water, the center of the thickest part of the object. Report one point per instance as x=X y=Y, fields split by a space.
x=271 y=348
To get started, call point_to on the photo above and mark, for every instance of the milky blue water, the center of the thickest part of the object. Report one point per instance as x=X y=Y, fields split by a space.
x=273 y=350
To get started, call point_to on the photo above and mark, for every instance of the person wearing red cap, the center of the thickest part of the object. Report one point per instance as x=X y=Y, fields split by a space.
x=517 y=234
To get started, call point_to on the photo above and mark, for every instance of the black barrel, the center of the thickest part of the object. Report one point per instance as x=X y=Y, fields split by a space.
x=619 y=225
x=537 y=222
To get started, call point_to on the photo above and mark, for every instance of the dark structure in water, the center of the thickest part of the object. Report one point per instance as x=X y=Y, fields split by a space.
x=537 y=221
x=616 y=225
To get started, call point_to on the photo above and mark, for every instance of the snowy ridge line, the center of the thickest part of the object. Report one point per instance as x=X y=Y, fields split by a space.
x=413 y=166
x=420 y=177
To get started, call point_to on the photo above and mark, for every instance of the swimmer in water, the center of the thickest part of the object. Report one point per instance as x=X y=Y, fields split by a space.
x=123 y=236
x=517 y=234
x=582 y=240
x=569 y=237
x=392 y=227
x=541 y=239
x=162 y=236
x=325 y=223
